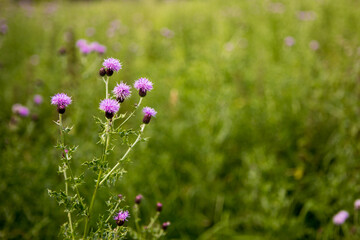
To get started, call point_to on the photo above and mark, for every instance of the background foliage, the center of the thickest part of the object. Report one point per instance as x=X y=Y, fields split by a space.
x=254 y=139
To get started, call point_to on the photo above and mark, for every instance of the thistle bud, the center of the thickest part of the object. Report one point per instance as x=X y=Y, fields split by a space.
x=148 y=113
x=102 y=72
x=138 y=199
x=109 y=72
x=165 y=225
x=159 y=207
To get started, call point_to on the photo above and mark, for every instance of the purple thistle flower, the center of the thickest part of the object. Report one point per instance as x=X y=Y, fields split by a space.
x=314 y=45
x=138 y=199
x=121 y=217
x=357 y=204
x=21 y=110
x=159 y=207
x=112 y=64
x=165 y=225
x=62 y=101
x=289 y=41
x=3 y=28
x=85 y=49
x=143 y=85
x=148 y=113
x=110 y=107
x=97 y=47
x=167 y=33
x=122 y=91
x=340 y=217
x=81 y=42
x=38 y=99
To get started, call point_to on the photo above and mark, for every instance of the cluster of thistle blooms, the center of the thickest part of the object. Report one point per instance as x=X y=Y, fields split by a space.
x=23 y=111
x=341 y=217
x=122 y=91
x=86 y=48
x=122 y=216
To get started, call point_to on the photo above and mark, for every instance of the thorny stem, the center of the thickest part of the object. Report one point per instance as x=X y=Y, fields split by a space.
x=124 y=156
x=113 y=211
x=98 y=180
x=132 y=113
x=66 y=179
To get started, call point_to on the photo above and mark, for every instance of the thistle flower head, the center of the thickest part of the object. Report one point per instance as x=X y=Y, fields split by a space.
x=138 y=199
x=143 y=85
x=159 y=207
x=21 y=110
x=148 y=113
x=85 y=48
x=165 y=225
x=110 y=107
x=289 y=41
x=97 y=47
x=81 y=42
x=122 y=91
x=121 y=217
x=357 y=204
x=38 y=99
x=340 y=217
x=61 y=100
x=112 y=64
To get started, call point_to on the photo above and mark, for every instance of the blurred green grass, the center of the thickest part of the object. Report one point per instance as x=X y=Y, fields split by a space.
x=253 y=139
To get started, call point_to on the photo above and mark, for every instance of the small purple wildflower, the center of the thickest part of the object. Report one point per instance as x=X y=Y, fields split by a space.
x=159 y=207
x=277 y=8
x=85 y=49
x=165 y=225
x=143 y=85
x=357 y=204
x=314 y=45
x=121 y=217
x=62 y=101
x=306 y=15
x=110 y=107
x=38 y=99
x=97 y=47
x=167 y=33
x=340 y=217
x=138 y=199
x=112 y=64
x=81 y=42
x=289 y=41
x=148 y=113
x=122 y=91
x=21 y=110
x=3 y=28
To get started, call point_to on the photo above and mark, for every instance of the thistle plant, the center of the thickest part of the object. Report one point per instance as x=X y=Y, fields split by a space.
x=79 y=208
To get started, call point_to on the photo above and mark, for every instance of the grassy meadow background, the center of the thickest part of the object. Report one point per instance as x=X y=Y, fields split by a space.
x=254 y=139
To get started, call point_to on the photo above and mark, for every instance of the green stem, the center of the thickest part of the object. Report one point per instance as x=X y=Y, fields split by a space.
x=124 y=156
x=131 y=114
x=72 y=176
x=65 y=177
x=113 y=211
x=153 y=220
x=136 y=215
x=98 y=181
x=106 y=86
